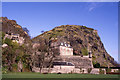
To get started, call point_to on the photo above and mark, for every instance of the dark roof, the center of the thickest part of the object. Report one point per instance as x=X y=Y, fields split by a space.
x=62 y=64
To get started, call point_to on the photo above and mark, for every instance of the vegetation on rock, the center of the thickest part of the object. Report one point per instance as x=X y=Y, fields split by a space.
x=80 y=38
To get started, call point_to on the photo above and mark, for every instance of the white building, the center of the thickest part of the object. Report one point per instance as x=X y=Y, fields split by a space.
x=65 y=49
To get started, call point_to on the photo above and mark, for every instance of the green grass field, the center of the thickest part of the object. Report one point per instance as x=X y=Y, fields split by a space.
x=38 y=75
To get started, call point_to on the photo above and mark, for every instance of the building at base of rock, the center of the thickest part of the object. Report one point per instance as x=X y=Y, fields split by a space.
x=66 y=62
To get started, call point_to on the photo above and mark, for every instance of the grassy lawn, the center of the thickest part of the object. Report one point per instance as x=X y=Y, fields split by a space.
x=38 y=75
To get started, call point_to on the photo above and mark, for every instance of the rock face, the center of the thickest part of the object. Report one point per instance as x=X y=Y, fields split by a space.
x=16 y=46
x=11 y=26
x=82 y=39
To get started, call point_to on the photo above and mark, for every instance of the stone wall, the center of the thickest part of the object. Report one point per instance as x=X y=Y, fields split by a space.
x=95 y=71
x=15 y=38
x=66 y=69
x=63 y=69
x=79 y=62
x=114 y=70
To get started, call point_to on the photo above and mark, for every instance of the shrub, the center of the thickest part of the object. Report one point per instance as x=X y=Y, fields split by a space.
x=59 y=73
x=15 y=45
x=101 y=71
x=93 y=63
x=84 y=26
x=17 y=59
x=45 y=73
x=93 y=56
x=8 y=41
x=95 y=46
x=97 y=65
x=108 y=70
x=84 y=51
x=14 y=66
x=3 y=35
x=4 y=70
x=89 y=70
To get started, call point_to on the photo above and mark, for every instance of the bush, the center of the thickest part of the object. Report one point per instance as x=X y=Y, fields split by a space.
x=93 y=56
x=101 y=71
x=108 y=70
x=59 y=73
x=89 y=70
x=4 y=70
x=45 y=73
x=96 y=65
x=8 y=41
x=15 y=45
x=84 y=52
x=17 y=59
x=14 y=66
x=3 y=35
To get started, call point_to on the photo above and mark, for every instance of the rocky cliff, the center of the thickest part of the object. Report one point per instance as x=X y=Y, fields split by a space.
x=12 y=51
x=11 y=26
x=83 y=40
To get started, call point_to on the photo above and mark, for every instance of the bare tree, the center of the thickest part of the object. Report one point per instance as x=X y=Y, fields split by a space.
x=41 y=58
x=44 y=50
x=46 y=55
x=51 y=59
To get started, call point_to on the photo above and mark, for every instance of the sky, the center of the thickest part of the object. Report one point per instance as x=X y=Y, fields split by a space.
x=38 y=16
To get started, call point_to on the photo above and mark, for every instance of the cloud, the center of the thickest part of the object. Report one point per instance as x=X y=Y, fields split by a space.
x=92 y=6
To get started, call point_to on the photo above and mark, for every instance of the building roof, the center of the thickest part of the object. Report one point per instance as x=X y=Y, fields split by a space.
x=66 y=44
x=62 y=64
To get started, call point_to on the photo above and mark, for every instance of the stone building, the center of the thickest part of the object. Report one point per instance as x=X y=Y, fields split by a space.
x=65 y=49
x=66 y=62
x=14 y=38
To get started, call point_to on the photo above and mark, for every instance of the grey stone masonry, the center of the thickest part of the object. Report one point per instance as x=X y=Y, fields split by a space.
x=79 y=62
x=95 y=71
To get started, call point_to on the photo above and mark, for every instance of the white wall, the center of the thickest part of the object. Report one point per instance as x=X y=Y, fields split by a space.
x=66 y=50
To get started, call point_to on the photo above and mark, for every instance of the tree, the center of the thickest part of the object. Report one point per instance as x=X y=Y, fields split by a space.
x=97 y=65
x=26 y=30
x=41 y=58
x=42 y=31
x=13 y=53
x=44 y=54
x=84 y=51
